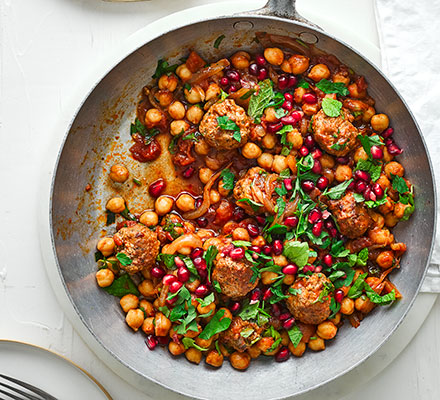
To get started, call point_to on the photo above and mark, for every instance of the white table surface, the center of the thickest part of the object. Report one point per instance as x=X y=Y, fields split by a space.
x=46 y=47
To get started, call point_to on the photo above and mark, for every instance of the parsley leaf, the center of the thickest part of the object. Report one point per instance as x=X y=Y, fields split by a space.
x=297 y=252
x=339 y=146
x=338 y=249
x=218 y=41
x=399 y=184
x=164 y=68
x=224 y=122
x=124 y=259
x=337 y=191
x=331 y=107
x=334 y=308
x=209 y=257
x=368 y=142
x=228 y=179
x=216 y=325
x=332 y=87
x=122 y=286
x=260 y=101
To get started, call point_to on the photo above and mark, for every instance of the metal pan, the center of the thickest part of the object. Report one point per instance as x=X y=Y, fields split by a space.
x=98 y=137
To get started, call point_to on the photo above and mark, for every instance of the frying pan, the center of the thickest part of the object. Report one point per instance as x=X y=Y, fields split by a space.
x=98 y=137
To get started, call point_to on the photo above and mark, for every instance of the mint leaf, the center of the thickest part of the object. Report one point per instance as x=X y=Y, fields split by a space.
x=260 y=101
x=295 y=335
x=124 y=259
x=331 y=107
x=303 y=84
x=122 y=286
x=368 y=141
x=249 y=311
x=188 y=342
x=207 y=300
x=215 y=325
x=332 y=87
x=338 y=249
x=377 y=298
x=336 y=192
x=225 y=123
x=368 y=166
x=228 y=178
x=297 y=252
x=399 y=184
x=358 y=285
x=237 y=136
x=377 y=203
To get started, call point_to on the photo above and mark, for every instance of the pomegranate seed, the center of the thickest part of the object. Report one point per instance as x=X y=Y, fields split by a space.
x=179 y=262
x=292 y=81
x=175 y=286
x=389 y=141
x=288 y=183
x=188 y=172
x=260 y=219
x=253 y=230
x=277 y=247
x=317 y=168
x=172 y=301
x=339 y=295
x=157 y=272
x=297 y=115
x=151 y=342
x=314 y=216
x=377 y=189
x=197 y=252
x=290 y=269
x=284 y=316
x=309 y=142
x=317 y=153
x=306 y=268
x=289 y=120
x=156 y=188
x=262 y=74
x=291 y=222
x=322 y=182
x=303 y=151
x=253 y=69
x=369 y=195
x=183 y=274
x=283 y=80
x=199 y=263
x=203 y=274
x=342 y=160
x=237 y=253
x=198 y=202
x=308 y=186
x=267 y=294
x=201 y=291
x=288 y=97
x=257 y=249
x=232 y=89
x=168 y=279
x=328 y=260
x=287 y=105
x=202 y=222
x=260 y=60
x=317 y=228
x=318 y=268
x=235 y=307
x=388 y=133
x=163 y=340
x=329 y=224
x=288 y=323
x=275 y=310
x=376 y=152
x=238 y=214
x=360 y=186
x=255 y=295
x=274 y=127
x=267 y=250
x=226 y=250
x=394 y=150
x=362 y=175
x=224 y=81
x=233 y=76
x=333 y=232
x=309 y=98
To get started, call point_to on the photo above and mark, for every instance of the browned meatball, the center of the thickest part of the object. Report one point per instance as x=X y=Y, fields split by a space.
x=335 y=135
x=353 y=219
x=234 y=277
x=259 y=186
x=241 y=334
x=222 y=138
x=305 y=305
x=138 y=243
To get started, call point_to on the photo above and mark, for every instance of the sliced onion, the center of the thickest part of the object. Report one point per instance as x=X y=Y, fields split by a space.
x=188 y=240
x=163 y=295
x=209 y=71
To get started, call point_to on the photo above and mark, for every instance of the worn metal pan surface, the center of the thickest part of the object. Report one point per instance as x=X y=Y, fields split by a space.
x=98 y=137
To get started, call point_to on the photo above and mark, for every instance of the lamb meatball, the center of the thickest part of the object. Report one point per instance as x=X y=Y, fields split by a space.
x=232 y=337
x=221 y=138
x=138 y=243
x=353 y=219
x=336 y=135
x=234 y=277
x=305 y=305
x=259 y=186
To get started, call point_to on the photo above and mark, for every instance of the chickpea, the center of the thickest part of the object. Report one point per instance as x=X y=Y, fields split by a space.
x=194 y=114
x=212 y=92
x=327 y=330
x=240 y=234
x=366 y=116
x=280 y=260
x=299 y=350
x=269 y=141
x=298 y=94
x=385 y=259
x=222 y=190
x=134 y=319
x=251 y=151
x=265 y=161
x=147 y=289
x=162 y=325
x=148 y=308
x=240 y=60
x=329 y=174
x=394 y=168
x=387 y=157
x=240 y=360
x=343 y=173
x=118 y=173
x=289 y=279
x=214 y=359
x=214 y=196
x=258 y=241
x=168 y=82
x=274 y=55
x=279 y=163
x=165 y=98
x=296 y=64
x=379 y=220
x=163 y=205
x=310 y=109
x=399 y=210
x=148 y=326
x=205 y=343
x=205 y=174
x=185 y=202
x=381 y=236
x=354 y=91
x=318 y=72
x=201 y=147
x=291 y=163
x=116 y=205
x=206 y=309
x=254 y=351
x=387 y=207
x=227 y=313
x=317 y=344
x=106 y=246
x=149 y=218
x=363 y=304
x=194 y=95
x=128 y=302
x=360 y=154
x=193 y=355
x=383 y=181
x=295 y=138
x=380 y=122
x=104 y=277
x=183 y=72
x=342 y=78
x=336 y=319
x=192 y=286
x=178 y=126
x=176 y=110
x=176 y=349
x=153 y=116
x=268 y=277
x=112 y=264
x=270 y=114
x=327 y=161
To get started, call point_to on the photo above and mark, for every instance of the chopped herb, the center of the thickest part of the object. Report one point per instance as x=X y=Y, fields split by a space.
x=228 y=179
x=124 y=259
x=164 y=68
x=358 y=198
x=128 y=215
x=168 y=260
x=377 y=203
x=98 y=256
x=216 y=325
x=260 y=101
x=237 y=136
x=331 y=107
x=339 y=146
x=216 y=286
x=165 y=311
x=122 y=286
x=249 y=311
x=138 y=127
x=218 y=41
x=170 y=227
x=332 y=87
x=223 y=95
x=294 y=291
x=297 y=252
x=338 y=249
x=241 y=243
x=334 y=308
x=209 y=257
x=280 y=113
x=189 y=342
x=337 y=191
x=295 y=335
x=285 y=173
x=362 y=257
x=246 y=332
